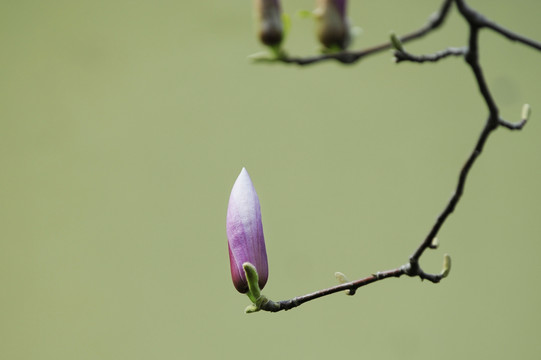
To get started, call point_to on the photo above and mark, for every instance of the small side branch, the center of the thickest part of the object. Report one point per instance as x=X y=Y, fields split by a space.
x=512 y=126
x=350 y=287
x=275 y=306
x=519 y=125
x=510 y=34
x=451 y=51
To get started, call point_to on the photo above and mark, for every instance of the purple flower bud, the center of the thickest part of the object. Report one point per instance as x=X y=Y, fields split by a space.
x=270 y=16
x=333 y=29
x=245 y=233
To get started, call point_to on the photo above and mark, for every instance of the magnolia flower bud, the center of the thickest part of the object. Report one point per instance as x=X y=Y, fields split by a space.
x=270 y=22
x=333 y=26
x=245 y=233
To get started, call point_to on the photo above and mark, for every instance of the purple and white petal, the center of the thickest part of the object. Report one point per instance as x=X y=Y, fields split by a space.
x=245 y=233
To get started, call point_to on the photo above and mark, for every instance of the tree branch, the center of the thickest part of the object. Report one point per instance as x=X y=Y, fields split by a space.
x=476 y=22
x=351 y=57
x=272 y=306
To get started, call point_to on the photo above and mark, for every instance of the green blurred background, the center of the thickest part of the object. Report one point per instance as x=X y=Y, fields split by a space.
x=124 y=125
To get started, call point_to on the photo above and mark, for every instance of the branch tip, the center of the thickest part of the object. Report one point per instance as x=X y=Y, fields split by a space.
x=446 y=269
x=526 y=112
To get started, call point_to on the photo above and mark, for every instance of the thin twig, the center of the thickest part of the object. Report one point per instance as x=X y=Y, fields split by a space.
x=511 y=35
x=273 y=306
x=513 y=126
x=450 y=51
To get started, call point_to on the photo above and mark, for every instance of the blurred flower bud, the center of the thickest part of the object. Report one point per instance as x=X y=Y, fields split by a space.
x=245 y=233
x=333 y=26
x=270 y=22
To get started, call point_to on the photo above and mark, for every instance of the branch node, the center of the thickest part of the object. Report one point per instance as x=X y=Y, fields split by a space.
x=410 y=269
x=342 y=280
x=525 y=115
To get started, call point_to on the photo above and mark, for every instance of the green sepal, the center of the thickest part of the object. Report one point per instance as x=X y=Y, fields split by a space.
x=275 y=54
x=255 y=307
x=305 y=14
x=332 y=50
x=261 y=56
x=397 y=44
x=254 y=292
x=286 y=25
x=251 y=309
